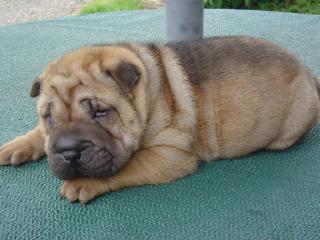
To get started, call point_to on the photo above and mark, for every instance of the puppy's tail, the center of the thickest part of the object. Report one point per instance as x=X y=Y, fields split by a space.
x=317 y=81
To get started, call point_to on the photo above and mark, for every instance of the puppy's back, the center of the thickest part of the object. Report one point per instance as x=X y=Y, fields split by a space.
x=244 y=89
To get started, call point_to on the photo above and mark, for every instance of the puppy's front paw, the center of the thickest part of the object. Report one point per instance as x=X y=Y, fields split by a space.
x=82 y=189
x=17 y=151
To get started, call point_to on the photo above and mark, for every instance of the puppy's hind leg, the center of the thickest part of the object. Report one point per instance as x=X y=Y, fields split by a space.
x=302 y=117
x=23 y=148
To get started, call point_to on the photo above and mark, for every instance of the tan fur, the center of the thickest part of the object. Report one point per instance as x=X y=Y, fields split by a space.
x=170 y=120
x=23 y=148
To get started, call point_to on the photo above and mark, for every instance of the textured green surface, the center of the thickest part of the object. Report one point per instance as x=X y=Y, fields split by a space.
x=267 y=195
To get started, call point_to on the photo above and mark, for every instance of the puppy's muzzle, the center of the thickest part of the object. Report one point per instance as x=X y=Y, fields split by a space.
x=82 y=149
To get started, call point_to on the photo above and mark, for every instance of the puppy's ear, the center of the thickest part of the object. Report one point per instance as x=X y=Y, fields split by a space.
x=126 y=74
x=35 y=88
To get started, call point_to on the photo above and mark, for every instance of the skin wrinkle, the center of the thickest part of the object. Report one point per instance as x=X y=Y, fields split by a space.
x=66 y=105
x=164 y=81
x=133 y=50
x=168 y=146
x=217 y=125
x=103 y=70
x=72 y=90
x=181 y=89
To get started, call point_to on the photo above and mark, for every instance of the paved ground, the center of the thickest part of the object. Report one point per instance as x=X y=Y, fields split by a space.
x=15 y=11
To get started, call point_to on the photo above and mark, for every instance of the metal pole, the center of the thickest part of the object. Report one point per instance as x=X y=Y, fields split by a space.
x=184 y=20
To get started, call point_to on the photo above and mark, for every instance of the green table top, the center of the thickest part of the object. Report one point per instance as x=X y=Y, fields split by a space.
x=266 y=195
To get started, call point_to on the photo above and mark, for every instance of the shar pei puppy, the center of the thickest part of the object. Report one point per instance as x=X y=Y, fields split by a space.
x=128 y=114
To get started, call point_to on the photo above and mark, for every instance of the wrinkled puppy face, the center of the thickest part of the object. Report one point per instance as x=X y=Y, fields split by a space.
x=89 y=110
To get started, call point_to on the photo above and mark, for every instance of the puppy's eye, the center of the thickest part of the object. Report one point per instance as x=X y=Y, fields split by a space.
x=49 y=120
x=103 y=113
x=98 y=110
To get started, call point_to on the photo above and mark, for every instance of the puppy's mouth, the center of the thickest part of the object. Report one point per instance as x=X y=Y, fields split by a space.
x=91 y=161
x=83 y=150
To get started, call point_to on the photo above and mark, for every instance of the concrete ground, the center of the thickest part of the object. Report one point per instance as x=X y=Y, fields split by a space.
x=16 y=11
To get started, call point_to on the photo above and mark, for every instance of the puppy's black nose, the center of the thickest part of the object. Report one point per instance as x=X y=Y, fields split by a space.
x=71 y=156
x=70 y=147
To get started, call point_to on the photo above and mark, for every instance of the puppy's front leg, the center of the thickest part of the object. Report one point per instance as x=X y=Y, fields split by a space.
x=23 y=148
x=154 y=165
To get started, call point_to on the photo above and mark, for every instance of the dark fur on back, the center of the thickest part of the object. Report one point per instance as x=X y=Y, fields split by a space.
x=216 y=55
